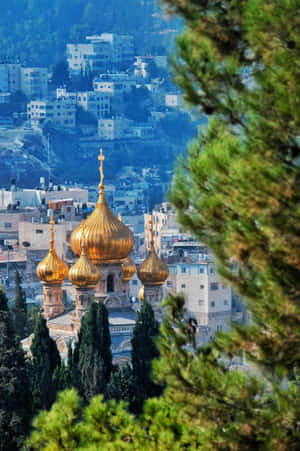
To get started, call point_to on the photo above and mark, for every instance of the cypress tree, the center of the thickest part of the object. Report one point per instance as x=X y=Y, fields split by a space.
x=121 y=386
x=144 y=350
x=92 y=359
x=45 y=360
x=15 y=400
x=20 y=308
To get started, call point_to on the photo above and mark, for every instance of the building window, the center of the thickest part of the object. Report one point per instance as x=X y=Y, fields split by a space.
x=169 y=283
x=202 y=287
x=201 y=270
x=7 y=225
x=183 y=269
x=134 y=282
x=201 y=301
x=39 y=231
x=212 y=304
x=183 y=285
x=214 y=286
x=212 y=271
x=110 y=283
x=225 y=302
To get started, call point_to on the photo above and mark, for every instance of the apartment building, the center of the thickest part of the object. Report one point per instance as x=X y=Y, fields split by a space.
x=114 y=84
x=34 y=82
x=207 y=297
x=101 y=52
x=61 y=112
x=96 y=103
x=114 y=128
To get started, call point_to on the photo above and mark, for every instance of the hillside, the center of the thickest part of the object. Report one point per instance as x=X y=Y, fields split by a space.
x=36 y=31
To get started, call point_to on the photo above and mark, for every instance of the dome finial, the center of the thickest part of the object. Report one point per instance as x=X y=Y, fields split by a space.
x=151 y=222
x=52 y=222
x=120 y=217
x=83 y=238
x=101 y=158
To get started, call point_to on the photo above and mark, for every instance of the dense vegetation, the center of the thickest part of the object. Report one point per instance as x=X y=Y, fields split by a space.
x=36 y=31
x=238 y=191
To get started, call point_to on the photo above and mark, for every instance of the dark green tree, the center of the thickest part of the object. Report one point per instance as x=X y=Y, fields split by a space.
x=20 y=308
x=122 y=387
x=45 y=360
x=144 y=350
x=92 y=359
x=60 y=75
x=15 y=399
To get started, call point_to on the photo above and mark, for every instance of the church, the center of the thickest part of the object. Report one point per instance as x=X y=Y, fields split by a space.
x=102 y=244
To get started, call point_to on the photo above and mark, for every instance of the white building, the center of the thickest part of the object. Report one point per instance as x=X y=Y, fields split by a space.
x=173 y=100
x=3 y=78
x=10 y=77
x=35 y=197
x=114 y=128
x=114 y=84
x=103 y=51
x=61 y=112
x=206 y=295
x=96 y=103
x=34 y=82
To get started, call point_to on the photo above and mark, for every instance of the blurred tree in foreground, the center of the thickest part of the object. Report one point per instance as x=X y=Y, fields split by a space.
x=15 y=400
x=238 y=191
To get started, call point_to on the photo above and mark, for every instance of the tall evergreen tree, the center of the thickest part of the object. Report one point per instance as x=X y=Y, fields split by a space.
x=122 y=386
x=20 y=308
x=92 y=359
x=144 y=350
x=45 y=360
x=15 y=400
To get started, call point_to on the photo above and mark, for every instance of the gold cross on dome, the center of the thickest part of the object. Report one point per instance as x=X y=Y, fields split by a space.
x=52 y=222
x=101 y=158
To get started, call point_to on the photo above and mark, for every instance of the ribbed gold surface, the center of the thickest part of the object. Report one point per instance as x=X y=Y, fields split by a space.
x=107 y=238
x=128 y=269
x=141 y=293
x=83 y=273
x=153 y=270
x=52 y=269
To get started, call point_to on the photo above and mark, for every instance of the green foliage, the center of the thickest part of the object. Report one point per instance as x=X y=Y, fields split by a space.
x=15 y=400
x=20 y=309
x=45 y=360
x=144 y=350
x=122 y=386
x=60 y=75
x=92 y=359
x=137 y=104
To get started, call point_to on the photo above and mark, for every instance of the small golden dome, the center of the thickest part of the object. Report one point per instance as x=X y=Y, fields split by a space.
x=83 y=273
x=141 y=293
x=52 y=269
x=107 y=238
x=128 y=269
x=153 y=270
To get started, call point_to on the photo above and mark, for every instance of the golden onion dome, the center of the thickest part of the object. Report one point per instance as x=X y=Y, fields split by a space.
x=141 y=293
x=83 y=273
x=153 y=270
x=107 y=238
x=52 y=269
x=128 y=269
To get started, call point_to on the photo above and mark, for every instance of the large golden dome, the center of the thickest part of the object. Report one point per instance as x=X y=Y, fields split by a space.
x=128 y=269
x=107 y=238
x=153 y=270
x=52 y=269
x=83 y=273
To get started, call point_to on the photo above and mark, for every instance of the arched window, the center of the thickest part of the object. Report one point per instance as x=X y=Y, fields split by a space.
x=110 y=283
